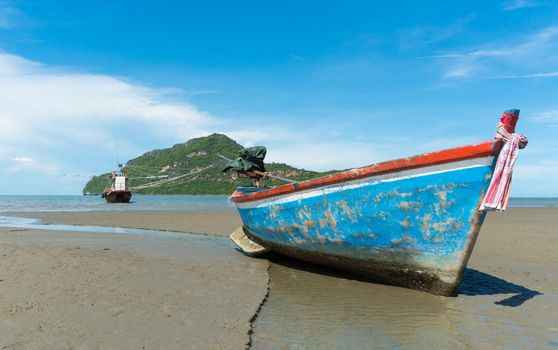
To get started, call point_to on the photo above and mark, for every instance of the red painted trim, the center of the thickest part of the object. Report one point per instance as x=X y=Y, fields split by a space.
x=446 y=156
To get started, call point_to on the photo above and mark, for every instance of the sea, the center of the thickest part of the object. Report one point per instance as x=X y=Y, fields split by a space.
x=10 y=203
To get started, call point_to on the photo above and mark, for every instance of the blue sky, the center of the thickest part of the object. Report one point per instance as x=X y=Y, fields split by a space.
x=323 y=84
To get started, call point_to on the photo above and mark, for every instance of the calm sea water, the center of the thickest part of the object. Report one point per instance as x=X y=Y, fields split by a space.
x=96 y=203
x=533 y=202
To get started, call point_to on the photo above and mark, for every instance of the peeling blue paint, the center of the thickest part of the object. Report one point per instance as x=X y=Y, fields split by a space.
x=428 y=218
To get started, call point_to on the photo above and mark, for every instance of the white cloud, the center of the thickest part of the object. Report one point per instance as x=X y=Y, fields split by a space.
x=61 y=120
x=248 y=138
x=536 y=42
x=13 y=65
x=24 y=163
x=322 y=149
x=323 y=155
x=459 y=72
x=534 y=179
x=519 y=4
x=24 y=159
x=422 y=36
x=549 y=117
x=46 y=113
x=528 y=76
x=544 y=170
x=535 y=50
x=50 y=107
x=477 y=53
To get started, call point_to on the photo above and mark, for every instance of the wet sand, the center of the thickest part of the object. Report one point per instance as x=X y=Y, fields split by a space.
x=62 y=290
x=76 y=290
x=220 y=223
x=508 y=299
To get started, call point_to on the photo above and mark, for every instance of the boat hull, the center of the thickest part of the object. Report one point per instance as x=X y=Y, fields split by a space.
x=118 y=196
x=414 y=228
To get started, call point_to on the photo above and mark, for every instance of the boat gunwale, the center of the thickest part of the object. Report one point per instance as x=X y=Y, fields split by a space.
x=484 y=149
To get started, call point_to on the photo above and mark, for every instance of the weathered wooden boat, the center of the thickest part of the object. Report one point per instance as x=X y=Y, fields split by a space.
x=410 y=222
x=118 y=191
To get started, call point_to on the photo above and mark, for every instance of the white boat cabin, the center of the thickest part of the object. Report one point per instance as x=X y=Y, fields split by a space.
x=119 y=183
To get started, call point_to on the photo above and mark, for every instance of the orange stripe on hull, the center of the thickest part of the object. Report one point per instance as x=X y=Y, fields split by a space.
x=446 y=156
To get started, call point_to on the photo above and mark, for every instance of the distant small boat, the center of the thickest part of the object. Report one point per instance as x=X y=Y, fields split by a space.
x=118 y=191
x=411 y=222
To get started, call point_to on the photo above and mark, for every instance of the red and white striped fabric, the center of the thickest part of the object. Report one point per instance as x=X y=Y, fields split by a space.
x=498 y=192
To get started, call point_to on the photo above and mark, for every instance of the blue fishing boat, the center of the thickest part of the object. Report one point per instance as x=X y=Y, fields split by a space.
x=410 y=222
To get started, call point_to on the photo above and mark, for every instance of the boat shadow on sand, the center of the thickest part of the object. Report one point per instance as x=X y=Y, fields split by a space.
x=480 y=283
x=474 y=282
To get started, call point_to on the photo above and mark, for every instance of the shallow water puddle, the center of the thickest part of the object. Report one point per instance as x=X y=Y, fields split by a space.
x=36 y=224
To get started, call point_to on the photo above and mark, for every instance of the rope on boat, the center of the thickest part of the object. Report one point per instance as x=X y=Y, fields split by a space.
x=498 y=192
x=162 y=182
x=149 y=177
x=154 y=168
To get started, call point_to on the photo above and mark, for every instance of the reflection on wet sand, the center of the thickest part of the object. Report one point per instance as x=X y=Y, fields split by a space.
x=315 y=307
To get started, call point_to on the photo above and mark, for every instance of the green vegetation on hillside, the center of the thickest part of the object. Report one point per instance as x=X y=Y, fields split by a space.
x=191 y=168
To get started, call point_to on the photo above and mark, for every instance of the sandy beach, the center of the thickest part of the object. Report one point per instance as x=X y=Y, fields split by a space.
x=75 y=290
x=112 y=291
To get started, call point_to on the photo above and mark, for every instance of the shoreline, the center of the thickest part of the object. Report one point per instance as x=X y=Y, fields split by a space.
x=217 y=223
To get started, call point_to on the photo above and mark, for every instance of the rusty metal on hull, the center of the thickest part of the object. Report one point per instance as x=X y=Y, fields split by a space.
x=401 y=275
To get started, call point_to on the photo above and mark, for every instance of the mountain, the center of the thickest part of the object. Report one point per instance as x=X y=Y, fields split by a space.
x=191 y=168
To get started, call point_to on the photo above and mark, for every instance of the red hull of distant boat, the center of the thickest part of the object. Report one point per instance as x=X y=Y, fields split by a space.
x=118 y=196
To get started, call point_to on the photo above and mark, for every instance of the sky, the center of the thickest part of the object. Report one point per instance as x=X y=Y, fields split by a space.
x=323 y=84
